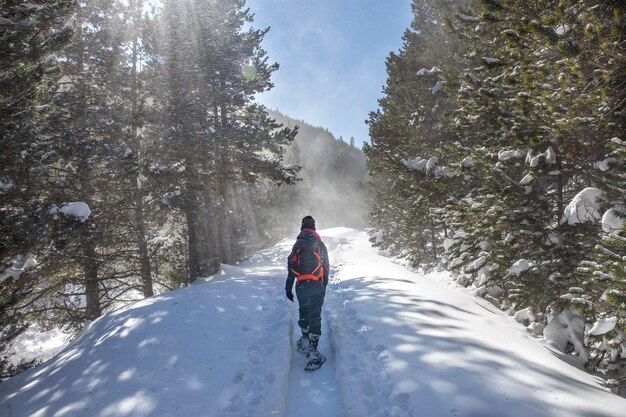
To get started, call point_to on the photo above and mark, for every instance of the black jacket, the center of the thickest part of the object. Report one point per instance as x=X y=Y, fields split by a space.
x=308 y=237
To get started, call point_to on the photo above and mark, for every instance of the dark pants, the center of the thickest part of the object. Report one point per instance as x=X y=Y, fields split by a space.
x=310 y=300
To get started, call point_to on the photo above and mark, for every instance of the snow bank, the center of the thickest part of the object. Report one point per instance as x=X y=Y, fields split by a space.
x=408 y=344
x=220 y=348
x=35 y=344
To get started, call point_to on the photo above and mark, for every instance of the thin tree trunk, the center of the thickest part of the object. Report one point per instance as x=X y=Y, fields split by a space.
x=212 y=229
x=144 y=256
x=193 y=260
x=92 y=291
x=140 y=225
x=201 y=260
x=89 y=261
x=560 y=185
x=226 y=251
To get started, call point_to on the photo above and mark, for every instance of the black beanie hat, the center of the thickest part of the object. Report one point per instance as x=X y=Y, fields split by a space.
x=308 y=222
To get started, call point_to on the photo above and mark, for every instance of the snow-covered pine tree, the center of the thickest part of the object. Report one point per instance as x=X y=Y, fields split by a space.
x=86 y=273
x=135 y=25
x=605 y=274
x=499 y=221
x=407 y=179
x=607 y=284
x=32 y=34
x=534 y=150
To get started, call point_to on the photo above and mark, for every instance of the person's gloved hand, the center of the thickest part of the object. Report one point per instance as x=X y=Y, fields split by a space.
x=289 y=294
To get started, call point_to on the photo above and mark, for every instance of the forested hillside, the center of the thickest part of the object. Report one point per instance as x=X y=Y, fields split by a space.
x=134 y=158
x=332 y=179
x=499 y=151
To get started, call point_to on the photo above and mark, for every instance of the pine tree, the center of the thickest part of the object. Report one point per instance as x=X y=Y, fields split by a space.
x=538 y=151
x=89 y=121
x=409 y=128
x=31 y=37
x=217 y=137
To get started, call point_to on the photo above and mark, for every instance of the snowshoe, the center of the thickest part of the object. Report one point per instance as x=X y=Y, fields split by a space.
x=303 y=345
x=316 y=360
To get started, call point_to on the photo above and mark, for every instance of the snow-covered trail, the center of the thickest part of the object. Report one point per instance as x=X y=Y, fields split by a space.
x=313 y=394
x=399 y=344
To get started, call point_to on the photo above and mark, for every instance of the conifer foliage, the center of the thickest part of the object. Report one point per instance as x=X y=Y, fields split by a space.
x=525 y=176
x=31 y=36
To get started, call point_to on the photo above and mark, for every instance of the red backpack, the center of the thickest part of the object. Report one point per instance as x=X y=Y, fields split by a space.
x=306 y=262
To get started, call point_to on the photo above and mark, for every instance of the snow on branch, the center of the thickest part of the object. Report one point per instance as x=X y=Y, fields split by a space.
x=429 y=165
x=429 y=72
x=584 y=207
x=76 y=209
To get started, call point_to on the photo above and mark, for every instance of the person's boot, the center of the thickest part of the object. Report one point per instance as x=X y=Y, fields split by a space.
x=303 y=344
x=316 y=359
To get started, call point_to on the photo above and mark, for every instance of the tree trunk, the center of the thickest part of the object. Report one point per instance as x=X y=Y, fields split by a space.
x=89 y=261
x=92 y=291
x=212 y=232
x=144 y=256
x=201 y=261
x=140 y=225
x=560 y=206
x=226 y=206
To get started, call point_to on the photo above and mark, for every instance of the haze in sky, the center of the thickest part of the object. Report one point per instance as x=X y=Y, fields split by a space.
x=332 y=58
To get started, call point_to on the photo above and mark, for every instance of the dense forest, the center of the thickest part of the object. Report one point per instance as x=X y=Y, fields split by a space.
x=498 y=152
x=134 y=158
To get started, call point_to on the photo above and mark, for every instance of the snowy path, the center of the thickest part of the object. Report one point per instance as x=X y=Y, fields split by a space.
x=399 y=344
x=313 y=394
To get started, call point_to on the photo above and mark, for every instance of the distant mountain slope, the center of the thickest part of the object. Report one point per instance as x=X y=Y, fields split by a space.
x=333 y=173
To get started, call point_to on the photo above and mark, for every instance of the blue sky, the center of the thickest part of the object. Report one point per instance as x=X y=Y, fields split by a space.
x=332 y=58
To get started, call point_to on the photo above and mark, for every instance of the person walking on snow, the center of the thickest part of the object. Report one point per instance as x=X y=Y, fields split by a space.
x=308 y=265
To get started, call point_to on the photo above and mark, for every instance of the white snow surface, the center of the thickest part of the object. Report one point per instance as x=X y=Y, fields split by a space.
x=584 y=207
x=37 y=344
x=613 y=221
x=398 y=343
x=77 y=209
x=429 y=72
x=603 y=326
x=520 y=266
